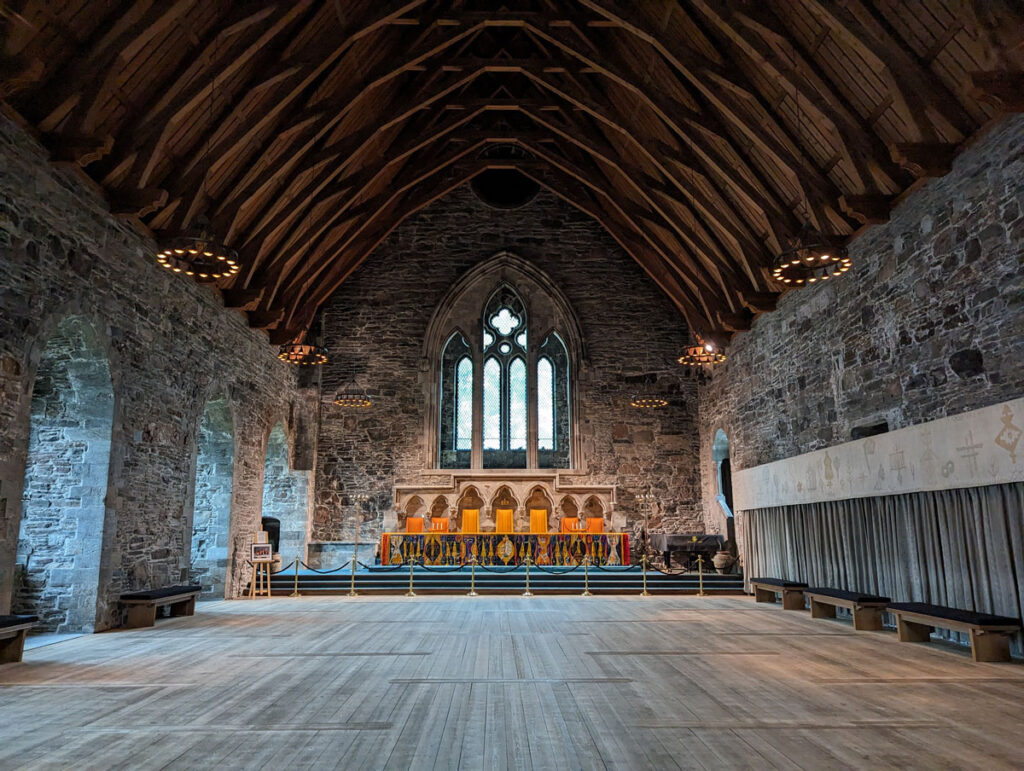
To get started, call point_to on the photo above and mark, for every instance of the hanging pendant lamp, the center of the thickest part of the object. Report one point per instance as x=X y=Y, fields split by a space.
x=702 y=355
x=810 y=258
x=353 y=398
x=303 y=354
x=647 y=399
x=198 y=255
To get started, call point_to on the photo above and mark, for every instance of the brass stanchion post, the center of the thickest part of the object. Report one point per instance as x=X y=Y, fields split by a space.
x=295 y=586
x=527 y=593
x=586 y=577
x=352 y=579
x=410 y=593
x=700 y=575
x=355 y=560
x=472 y=577
x=643 y=572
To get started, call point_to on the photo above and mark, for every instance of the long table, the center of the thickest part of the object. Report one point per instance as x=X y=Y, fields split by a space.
x=504 y=548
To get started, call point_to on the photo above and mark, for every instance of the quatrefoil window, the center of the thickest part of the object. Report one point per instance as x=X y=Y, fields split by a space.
x=505 y=321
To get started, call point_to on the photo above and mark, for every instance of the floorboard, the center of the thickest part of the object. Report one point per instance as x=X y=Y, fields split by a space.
x=505 y=682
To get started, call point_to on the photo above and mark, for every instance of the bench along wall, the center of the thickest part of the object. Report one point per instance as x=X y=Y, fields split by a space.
x=933 y=512
x=167 y=344
x=929 y=323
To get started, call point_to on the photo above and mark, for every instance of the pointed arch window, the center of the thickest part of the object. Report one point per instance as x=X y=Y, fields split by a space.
x=504 y=335
x=504 y=399
x=545 y=404
x=456 y=434
x=553 y=403
x=464 y=404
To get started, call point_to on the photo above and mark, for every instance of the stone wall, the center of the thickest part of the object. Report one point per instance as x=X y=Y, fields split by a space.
x=211 y=510
x=929 y=322
x=169 y=343
x=286 y=496
x=375 y=326
x=61 y=532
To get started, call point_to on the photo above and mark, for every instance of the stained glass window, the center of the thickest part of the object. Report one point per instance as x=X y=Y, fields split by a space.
x=464 y=405
x=553 y=404
x=492 y=404
x=517 y=405
x=456 y=424
x=545 y=405
x=497 y=438
x=504 y=321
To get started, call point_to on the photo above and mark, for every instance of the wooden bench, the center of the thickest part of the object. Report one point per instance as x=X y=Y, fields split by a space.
x=792 y=592
x=12 y=637
x=867 y=609
x=142 y=605
x=990 y=635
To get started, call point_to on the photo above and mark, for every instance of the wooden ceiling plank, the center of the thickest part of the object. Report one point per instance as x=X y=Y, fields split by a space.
x=920 y=88
x=863 y=147
x=802 y=173
x=139 y=20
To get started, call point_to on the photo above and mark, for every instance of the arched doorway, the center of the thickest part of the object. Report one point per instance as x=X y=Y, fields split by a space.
x=211 y=512
x=63 y=508
x=723 y=480
x=285 y=496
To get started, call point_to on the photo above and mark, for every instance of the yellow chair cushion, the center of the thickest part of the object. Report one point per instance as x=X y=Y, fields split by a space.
x=503 y=521
x=538 y=520
x=471 y=520
x=595 y=525
x=414 y=525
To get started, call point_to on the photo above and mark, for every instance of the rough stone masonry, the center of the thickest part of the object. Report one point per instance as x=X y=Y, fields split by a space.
x=169 y=344
x=928 y=323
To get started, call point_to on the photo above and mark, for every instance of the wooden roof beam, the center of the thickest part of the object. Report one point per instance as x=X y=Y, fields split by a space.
x=1003 y=90
x=860 y=143
x=815 y=186
x=920 y=89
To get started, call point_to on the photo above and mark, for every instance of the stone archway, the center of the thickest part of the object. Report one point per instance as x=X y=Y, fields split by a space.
x=211 y=511
x=723 y=481
x=286 y=496
x=63 y=510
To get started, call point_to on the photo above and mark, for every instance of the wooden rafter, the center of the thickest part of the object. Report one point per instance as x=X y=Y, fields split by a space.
x=698 y=133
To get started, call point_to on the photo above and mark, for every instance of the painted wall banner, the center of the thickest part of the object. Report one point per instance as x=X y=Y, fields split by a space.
x=972 y=449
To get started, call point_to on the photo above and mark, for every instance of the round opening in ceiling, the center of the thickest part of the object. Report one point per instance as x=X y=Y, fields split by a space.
x=504 y=188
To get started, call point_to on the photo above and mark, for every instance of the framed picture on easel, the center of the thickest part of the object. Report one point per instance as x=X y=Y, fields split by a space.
x=262 y=552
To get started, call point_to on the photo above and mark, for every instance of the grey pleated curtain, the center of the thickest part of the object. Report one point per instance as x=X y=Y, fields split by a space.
x=962 y=548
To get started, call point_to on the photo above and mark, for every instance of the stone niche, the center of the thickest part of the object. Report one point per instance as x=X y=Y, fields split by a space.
x=448 y=495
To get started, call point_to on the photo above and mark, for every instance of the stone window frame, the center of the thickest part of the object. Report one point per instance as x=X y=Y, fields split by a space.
x=547 y=311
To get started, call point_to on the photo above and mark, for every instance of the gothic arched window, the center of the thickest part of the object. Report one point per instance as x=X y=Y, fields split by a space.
x=552 y=403
x=504 y=370
x=504 y=340
x=456 y=434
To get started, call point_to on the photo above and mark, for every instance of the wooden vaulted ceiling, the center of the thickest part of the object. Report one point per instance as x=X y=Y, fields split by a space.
x=699 y=133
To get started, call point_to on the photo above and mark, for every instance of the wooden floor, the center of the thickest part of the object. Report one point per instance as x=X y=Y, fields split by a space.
x=506 y=682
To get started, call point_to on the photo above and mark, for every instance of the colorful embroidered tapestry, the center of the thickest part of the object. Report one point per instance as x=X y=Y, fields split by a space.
x=504 y=548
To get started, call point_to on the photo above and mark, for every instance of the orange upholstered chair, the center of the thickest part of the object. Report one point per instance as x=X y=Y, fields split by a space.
x=471 y=520
x=503 y=520
x=538 y=520
x=595 y=525
x=570 y=524
x=439 y=524
x=414 y=525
